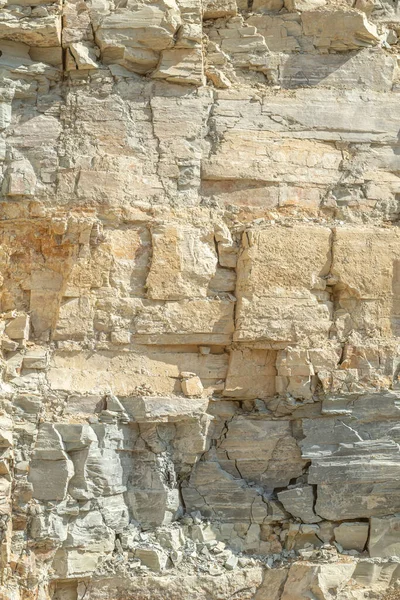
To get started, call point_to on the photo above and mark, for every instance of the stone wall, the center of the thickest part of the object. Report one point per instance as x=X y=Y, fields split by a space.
x=200 y=300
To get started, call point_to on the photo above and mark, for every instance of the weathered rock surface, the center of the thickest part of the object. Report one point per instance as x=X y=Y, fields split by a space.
x=199 y=300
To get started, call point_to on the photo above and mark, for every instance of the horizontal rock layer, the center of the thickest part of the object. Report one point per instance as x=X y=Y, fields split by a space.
x=199 y=300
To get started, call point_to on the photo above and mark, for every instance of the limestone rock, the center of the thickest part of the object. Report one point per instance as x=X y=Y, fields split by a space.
x=18 y=328
x=6 y=435
x=323 y=580
x=251 y=374
x=261 y=450
x=183 y=263
x=192 y=386
x=83 y=56
x=352 y=536
x=21 y=179
x=299 y=502
x=216 y=10
x=267 y=308
x=51 y=464
x=57 y=473
x=384 y=536
x=362 y=459
x=180 y=65
x=165 y=409
x=37 y=31
x=152 y=558
x=343 y=29
x=35 y=359
x=199 y=299
x=303 y=5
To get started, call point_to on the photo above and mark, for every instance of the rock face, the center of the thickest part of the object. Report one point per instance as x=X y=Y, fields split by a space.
x=199 y=300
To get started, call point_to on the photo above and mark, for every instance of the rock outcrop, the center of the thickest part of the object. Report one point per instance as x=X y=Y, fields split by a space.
x=199 y=300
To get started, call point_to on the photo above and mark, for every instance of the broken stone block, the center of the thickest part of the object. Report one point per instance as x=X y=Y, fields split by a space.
x=215 y=9
x=74 y=563
x=384 y=537
x=41 y=31
x=267 y=308
x=251 y=374
x=300 y=536
x=75 y=319
x=322 y=581
x=51 y=56
x=6 y=435
x=50 y=478
x=155 y=506
x=272 y=585
x=49 y=526
x=153 y=409
x=9 y=345
x=192 y=386
x=121 y=337
x=172 y=538
x=18 y=328
x=339 y=29
x=302 y=5
x=5 y=115
x=13 y=365
x=352 y=536
x=299 y=502
x=196 y=321
x=351 y=476
x=90 y=532
x=231 y=562
x=260 y=450
x=114 y=404
x=154 y=558
x=83 y=56
x=21 y=179
x=220 y=80
x=183 y=262
x=50 y=469
x=151 y=28
x=226 y=495
x=35 y=359
x=181 y=65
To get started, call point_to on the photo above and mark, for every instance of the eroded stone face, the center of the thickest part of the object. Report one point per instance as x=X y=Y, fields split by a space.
x=199 y=300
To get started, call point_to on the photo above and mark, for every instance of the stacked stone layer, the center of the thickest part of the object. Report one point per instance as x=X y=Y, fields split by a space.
x=200 y=299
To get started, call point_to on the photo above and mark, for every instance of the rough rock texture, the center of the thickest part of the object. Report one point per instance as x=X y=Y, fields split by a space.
x=199 y=300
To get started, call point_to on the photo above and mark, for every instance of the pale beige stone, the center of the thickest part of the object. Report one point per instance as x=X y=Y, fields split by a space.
x=43 y=31
x=183 y=262
x=153 y=558
x=339 y=29
x=276 y=299
x=18 y=328
x=21 y=179
x=83 y=56
x=181 y=66
x=365 y=291
x=251 y=374
x=199 y=218
x=302 y=5
x=192 y=386
x=216 y=10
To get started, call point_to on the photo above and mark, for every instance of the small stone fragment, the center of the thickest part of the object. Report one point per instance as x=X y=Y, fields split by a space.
x=192 y=386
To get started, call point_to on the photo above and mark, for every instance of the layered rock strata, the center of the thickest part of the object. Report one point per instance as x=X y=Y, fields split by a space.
x=200 y=300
